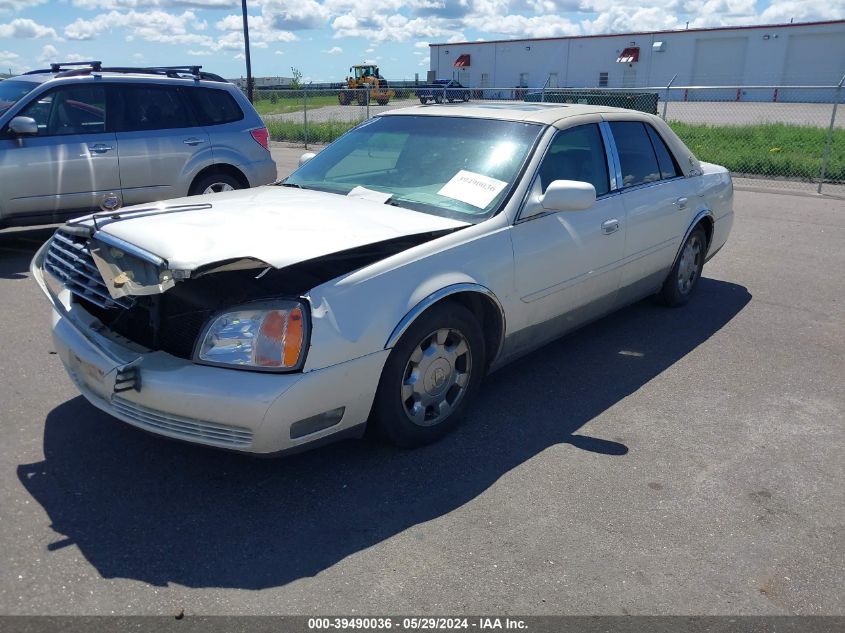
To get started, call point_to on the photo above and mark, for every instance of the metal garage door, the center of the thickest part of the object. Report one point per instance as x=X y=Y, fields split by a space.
x=719 y=62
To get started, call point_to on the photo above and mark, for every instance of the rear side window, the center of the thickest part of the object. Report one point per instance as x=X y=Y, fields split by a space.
x=668 y=167
x=153 y=108
x=214 y=107
x=636 y=153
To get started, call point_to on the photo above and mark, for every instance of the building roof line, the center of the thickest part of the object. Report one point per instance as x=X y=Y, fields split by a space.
x=669 y=32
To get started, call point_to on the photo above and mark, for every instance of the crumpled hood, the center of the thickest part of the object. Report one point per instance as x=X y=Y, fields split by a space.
x=277 y=225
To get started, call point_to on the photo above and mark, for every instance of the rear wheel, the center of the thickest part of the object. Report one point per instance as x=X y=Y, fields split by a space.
x=683 y=278
x=382 y=101
x=215 y=182
x=438 y=99
x=343 y=98
x=423 y=100
x=430 y=377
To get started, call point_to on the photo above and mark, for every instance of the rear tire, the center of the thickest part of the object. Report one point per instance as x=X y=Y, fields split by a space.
x=683 y=278
x=423 y=100
x=215 y=182
x=430 y=377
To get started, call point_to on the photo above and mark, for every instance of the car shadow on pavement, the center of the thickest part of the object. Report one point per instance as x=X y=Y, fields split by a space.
x=17 y=248
x=148 y=509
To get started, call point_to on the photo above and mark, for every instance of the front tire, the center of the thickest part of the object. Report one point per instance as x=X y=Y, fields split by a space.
x=683 y=278
x=430 y=377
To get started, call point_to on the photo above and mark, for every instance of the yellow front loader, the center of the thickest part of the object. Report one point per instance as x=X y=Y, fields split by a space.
x=361 y=77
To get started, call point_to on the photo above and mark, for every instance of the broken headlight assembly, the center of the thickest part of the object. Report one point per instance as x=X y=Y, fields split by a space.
x=267 y=336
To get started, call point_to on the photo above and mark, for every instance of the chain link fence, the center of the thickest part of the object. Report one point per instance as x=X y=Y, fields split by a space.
x=775 y=137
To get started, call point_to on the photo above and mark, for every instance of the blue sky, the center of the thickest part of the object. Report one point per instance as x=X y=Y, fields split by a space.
x=323 y=38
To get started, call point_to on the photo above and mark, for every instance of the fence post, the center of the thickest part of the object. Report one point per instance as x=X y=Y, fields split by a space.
x=367 y=92
x=836 y=97
x=305 y=113
x=666 y=100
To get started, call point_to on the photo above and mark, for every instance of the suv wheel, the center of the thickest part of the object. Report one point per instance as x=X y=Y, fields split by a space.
x=215 y=183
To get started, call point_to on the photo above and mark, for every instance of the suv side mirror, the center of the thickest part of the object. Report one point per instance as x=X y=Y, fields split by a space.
x=568 y=195
x=23 y=126
x=306 y=157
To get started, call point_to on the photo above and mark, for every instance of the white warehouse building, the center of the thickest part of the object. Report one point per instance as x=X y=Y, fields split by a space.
x=808 y=54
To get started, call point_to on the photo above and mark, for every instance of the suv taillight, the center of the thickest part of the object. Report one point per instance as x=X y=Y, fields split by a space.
x=262 y=137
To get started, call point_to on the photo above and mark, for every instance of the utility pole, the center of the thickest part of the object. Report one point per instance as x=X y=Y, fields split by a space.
x=246 y=52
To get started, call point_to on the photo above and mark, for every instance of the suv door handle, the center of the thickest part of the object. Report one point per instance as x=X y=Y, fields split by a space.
x=100 y=148
x=193 y=141
x=610 y=226
x=681 y=203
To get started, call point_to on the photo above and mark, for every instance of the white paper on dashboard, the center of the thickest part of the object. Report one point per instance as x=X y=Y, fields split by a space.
x=472 y=188
x=369 y=194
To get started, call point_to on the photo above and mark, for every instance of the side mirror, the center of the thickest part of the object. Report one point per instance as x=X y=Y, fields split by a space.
x=306 y=157
x=568 y=195
x=23 y=126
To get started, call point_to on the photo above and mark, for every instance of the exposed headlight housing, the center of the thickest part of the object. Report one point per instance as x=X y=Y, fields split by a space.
x=266 y=336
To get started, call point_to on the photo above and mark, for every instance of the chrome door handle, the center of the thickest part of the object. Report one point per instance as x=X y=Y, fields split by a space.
x=610 y=226
x=681 y=203
x=193 y=141
x=100 y=148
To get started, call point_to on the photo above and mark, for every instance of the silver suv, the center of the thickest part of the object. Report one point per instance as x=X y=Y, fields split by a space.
x=80 y=136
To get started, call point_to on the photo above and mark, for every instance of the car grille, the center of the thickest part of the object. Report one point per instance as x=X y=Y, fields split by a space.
x=184 y=428
x=69 y=260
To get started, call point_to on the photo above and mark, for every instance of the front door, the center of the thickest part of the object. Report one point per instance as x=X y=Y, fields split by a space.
x=71 y=165
x=567 y=263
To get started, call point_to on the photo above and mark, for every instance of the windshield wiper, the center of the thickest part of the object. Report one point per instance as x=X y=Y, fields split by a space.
x=290 y=184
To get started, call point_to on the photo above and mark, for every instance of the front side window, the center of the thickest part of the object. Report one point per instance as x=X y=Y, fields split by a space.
x=69 y=110
x=636 y=153
x=153 y=108
x=577 y=154
x=450 y=166
x=12 y=91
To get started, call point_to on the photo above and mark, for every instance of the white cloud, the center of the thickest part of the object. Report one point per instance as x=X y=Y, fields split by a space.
x=152 y=4
x=13 y=6
x=24 y=28
x=150 y=26
x=199 y=53
x=334 y=50
x=278 y=52
x=48 y=54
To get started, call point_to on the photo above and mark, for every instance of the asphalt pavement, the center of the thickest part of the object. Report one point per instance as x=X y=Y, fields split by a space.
x=659 y=461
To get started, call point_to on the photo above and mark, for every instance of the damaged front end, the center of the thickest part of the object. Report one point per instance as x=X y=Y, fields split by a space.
x=136 y=299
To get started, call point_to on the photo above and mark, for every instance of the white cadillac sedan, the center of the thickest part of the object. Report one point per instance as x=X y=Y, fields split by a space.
x=384 y=278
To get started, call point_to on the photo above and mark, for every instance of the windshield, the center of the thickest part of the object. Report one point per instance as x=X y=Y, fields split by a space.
x=455 y=167
x=12 y=91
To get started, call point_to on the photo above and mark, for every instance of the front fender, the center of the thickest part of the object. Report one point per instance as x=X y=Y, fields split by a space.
x=368 y=310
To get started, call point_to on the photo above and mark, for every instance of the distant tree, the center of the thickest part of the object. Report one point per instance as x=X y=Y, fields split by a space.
x=296 y=82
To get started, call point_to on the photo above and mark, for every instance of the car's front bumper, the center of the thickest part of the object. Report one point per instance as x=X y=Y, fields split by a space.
x=227 y=408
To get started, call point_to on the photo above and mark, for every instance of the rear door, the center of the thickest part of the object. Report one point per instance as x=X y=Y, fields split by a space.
x=71 y=165
x=654 y=193
x=161 y=146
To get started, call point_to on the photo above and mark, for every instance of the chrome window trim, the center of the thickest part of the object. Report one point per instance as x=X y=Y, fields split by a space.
x=614 y=166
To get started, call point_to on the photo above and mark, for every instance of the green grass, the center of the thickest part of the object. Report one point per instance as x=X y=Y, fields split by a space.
x=293 y=103
x=319 y=132
x=769 y=149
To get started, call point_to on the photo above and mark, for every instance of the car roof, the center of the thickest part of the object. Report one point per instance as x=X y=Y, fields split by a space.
x=546 y=113
x=125 y=75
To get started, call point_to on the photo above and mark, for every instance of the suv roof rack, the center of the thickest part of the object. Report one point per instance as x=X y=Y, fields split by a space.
x=70 y=69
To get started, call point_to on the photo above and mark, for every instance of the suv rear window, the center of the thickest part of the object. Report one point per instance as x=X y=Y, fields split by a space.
x=214 y=107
